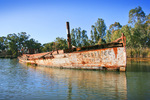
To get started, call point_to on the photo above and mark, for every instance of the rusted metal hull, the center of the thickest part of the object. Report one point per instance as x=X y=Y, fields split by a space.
x=111 y=56
x=107 y=58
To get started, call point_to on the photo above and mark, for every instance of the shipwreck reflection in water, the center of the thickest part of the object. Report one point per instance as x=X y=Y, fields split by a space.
x=84 y=84
x=21 y=82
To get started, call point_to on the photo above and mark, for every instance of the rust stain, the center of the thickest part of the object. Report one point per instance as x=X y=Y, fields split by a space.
x=115 y=51
x=83 y=62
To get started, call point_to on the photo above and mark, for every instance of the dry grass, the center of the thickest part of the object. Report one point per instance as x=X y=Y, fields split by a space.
x=138 y=59
x=138 y=53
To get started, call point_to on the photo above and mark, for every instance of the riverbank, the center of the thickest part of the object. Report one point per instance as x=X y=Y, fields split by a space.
x=8 y=56
x=138 y=59
x=5 y=55
x=138 y=52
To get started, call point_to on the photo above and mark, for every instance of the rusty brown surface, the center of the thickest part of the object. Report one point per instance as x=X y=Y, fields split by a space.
x=110 y=58
x=68 y=35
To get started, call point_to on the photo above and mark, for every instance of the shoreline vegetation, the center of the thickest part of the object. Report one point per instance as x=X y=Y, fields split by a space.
x=132 y=54
x=139 y=59
x=137 y=32
x=138 y=53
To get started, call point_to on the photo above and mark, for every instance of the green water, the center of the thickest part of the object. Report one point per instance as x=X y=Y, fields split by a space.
x=21 y=82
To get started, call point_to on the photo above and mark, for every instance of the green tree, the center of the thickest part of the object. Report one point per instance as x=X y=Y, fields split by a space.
x=114 y=29
x=48 y=47
x=22 y=38
x=73 y=37
x=129 y=36
x=94 y=35
x=136 y=15
x=3 y=43
x=108 y=36
x=139 y=31
x=115 y=26
x=20 y=41
x=13 y=43
x=79 y=37
x=60 y=43
x=140 y=34
x=32 y=44
x=98 y=31
x=115 y=35
x=147 y=24
x=84 y=38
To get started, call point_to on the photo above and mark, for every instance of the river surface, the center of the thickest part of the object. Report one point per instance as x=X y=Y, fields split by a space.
x=21 y=82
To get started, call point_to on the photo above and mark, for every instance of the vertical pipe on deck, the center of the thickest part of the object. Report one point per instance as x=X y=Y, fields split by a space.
x=68 y=35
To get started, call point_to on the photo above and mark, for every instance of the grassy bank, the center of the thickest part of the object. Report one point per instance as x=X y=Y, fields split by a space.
x=138 y=52
x=6 y=55
x=138 y=59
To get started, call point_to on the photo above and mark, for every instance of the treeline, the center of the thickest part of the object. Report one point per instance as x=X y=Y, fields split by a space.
x=137 y=32
x=13 y=44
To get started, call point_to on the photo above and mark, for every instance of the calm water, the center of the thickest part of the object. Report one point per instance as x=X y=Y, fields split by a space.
x=21 y=82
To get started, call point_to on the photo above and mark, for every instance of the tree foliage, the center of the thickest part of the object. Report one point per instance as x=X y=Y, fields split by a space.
x=115 y=26
x=98 y=31
x=3 y=43
x=58 y=44
x=79 y=37
x=48 y=47
x=32 y=44
x=136 y=15
x=108 y=36
x=15 y=43
x=114 y=31
x=129 y=37
x=137 y=33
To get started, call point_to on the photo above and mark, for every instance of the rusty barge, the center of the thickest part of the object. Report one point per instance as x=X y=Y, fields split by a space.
x=109 y=56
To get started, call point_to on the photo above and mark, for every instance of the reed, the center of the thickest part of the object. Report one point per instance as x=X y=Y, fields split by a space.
x=138 y=52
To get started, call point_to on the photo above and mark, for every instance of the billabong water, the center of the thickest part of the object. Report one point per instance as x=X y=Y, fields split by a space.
x=21 y=82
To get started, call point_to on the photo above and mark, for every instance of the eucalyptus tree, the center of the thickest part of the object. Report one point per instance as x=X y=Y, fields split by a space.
x=73 y=37
x=3 y=43
x=13 y=43
x=84 y=37
x=60 y=43
x=48 y=47
x=115 y=26
x=79 y=37
x=137 y=19
x=136 y=15
x=114 y=30
x=126 y=30
x=108 y=36
x=22 y=38
x=147 y=23
x=98 y=31
x=32 y=44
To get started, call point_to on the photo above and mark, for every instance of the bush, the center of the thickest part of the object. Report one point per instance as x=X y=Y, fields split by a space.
x=138 y=52
x=9 y=52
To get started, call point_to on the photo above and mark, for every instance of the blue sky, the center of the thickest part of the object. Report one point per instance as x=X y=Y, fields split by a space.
x=45 y=20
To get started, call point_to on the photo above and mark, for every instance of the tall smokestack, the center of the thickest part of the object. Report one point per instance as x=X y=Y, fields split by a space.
x=68 y=35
